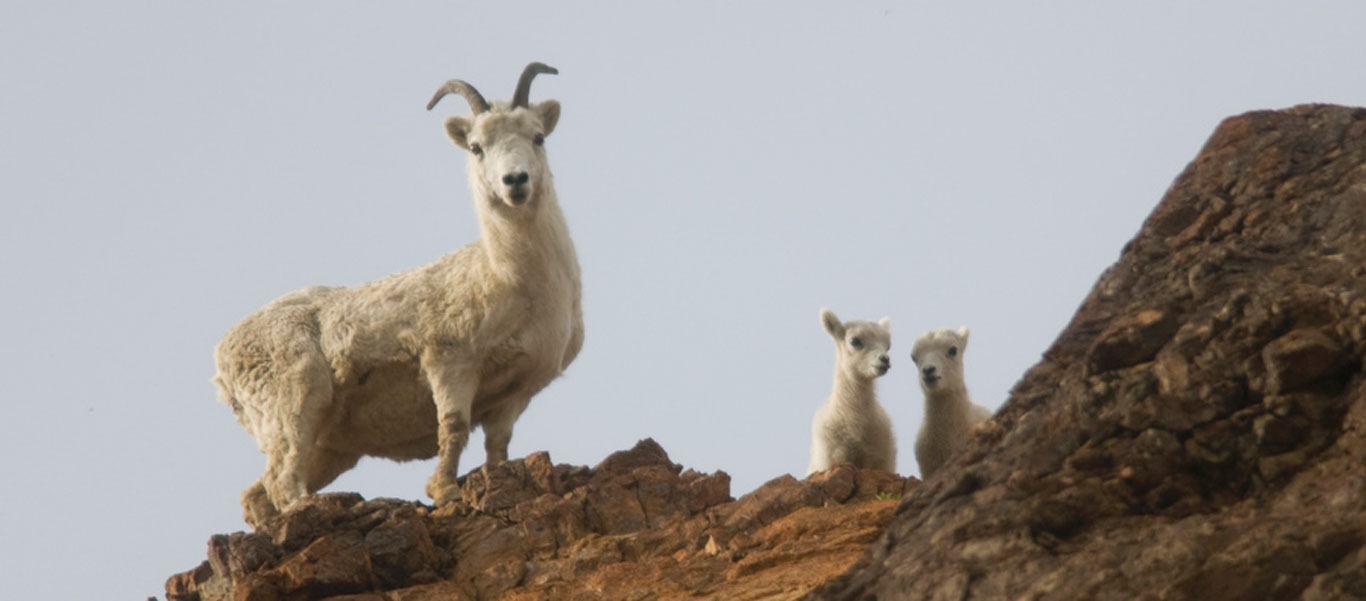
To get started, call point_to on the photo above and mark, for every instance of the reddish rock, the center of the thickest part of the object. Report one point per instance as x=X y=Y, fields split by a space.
x=335 y=564
x=528 y=529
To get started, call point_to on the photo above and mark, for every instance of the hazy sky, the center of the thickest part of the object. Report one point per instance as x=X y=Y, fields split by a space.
x=726 y=169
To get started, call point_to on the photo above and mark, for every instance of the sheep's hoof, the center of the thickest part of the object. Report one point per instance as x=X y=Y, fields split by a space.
x=257 y=507
x=446 y=497
x=443 y=491
x=257 y=514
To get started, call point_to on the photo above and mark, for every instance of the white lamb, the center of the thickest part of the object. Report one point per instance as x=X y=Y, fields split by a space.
x=851 y=427
x=405 y=366
x=949 y=414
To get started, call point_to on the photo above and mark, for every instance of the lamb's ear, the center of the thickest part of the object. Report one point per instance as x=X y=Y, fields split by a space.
x=458 y=128
x=963 y=333
x=885 y=322
x=832 y=324
x=549 y=112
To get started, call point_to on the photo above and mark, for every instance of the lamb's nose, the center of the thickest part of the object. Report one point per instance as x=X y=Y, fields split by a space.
x=513 y=179
x=929 y=370
x=885 y=360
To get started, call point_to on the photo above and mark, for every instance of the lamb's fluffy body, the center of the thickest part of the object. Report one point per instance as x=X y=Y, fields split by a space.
x=950 y=414
x=405 y=366
x=852 y=427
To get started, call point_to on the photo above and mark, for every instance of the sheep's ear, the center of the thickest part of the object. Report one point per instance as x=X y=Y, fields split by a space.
x=963 y=333
x=549 y=112
x=458 y=128
x=885 y=322
x=832 y=324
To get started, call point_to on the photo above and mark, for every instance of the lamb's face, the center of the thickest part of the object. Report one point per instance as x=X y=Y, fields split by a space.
x=861 y=346
x=939 y=356
x=507 y=150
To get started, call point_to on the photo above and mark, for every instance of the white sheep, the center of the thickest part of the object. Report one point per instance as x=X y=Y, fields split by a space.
x=949 y=413
x=405 y=366
x=851 y=427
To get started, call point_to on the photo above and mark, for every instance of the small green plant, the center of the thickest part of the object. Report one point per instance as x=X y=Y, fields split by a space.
x=888 y=496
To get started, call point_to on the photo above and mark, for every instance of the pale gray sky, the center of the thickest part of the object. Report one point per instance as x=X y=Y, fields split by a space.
x=726 y=168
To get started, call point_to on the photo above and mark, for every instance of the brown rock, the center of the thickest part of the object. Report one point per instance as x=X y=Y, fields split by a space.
x=332 y=565
x=776 y=498
x=1131 y=340
x=646 y=453
x=402 y=553
x=1198 y=429
x=185 y=585
x=836 y=483
x=637 y=526
x=706 y=490
x=1298 y=358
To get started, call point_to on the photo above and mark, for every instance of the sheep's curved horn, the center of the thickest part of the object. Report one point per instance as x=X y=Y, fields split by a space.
x=523 y=93
x=456 y=86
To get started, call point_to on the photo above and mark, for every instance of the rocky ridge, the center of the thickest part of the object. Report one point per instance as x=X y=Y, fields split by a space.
x=1198 y=431
x=636 y=526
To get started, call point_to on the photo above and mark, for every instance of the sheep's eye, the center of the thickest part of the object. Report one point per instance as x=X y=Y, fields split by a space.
x=477 y=149
x=915 y=360
x=953 y=351
x=539 y=140
x=855 y=342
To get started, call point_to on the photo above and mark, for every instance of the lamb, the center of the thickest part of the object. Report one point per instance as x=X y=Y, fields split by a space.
x=949 y=414
x=851 y=427
x=405 y=366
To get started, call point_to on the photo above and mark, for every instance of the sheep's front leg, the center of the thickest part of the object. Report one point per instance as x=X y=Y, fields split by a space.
x=453 y=386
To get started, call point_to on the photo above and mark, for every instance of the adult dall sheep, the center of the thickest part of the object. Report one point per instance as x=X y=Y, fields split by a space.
x=851 y=427
x=949 y=414
x=405 y=366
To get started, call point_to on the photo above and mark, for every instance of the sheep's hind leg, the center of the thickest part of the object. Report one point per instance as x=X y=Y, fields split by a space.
x=327 y=465
x=300 y=434
x=263 y=500
x=498 y=428
x=453 y=387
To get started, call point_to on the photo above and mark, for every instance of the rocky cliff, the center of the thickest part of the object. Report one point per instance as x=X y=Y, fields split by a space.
x=1198 y=431
x=636 y=526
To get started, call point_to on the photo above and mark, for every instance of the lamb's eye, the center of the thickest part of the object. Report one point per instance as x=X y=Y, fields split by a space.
x=539 y=140
x=953 y=351
x=855 y=342
x=477 y=149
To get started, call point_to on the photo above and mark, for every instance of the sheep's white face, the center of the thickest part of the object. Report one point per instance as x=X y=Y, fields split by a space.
x=507 y=150
x=939 y=356
x=860 y=346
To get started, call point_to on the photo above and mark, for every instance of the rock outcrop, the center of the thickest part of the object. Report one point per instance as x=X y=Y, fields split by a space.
x=1198 y=431
x=635 y=527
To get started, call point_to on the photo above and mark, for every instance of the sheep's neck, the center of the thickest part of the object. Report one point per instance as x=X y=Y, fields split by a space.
x=947 y=402
x=853 y=389
x=527 y=248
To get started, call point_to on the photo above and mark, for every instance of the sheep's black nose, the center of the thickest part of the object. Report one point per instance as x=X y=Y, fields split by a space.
x=513 y=179
x=929 y=370
x=885 y=360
